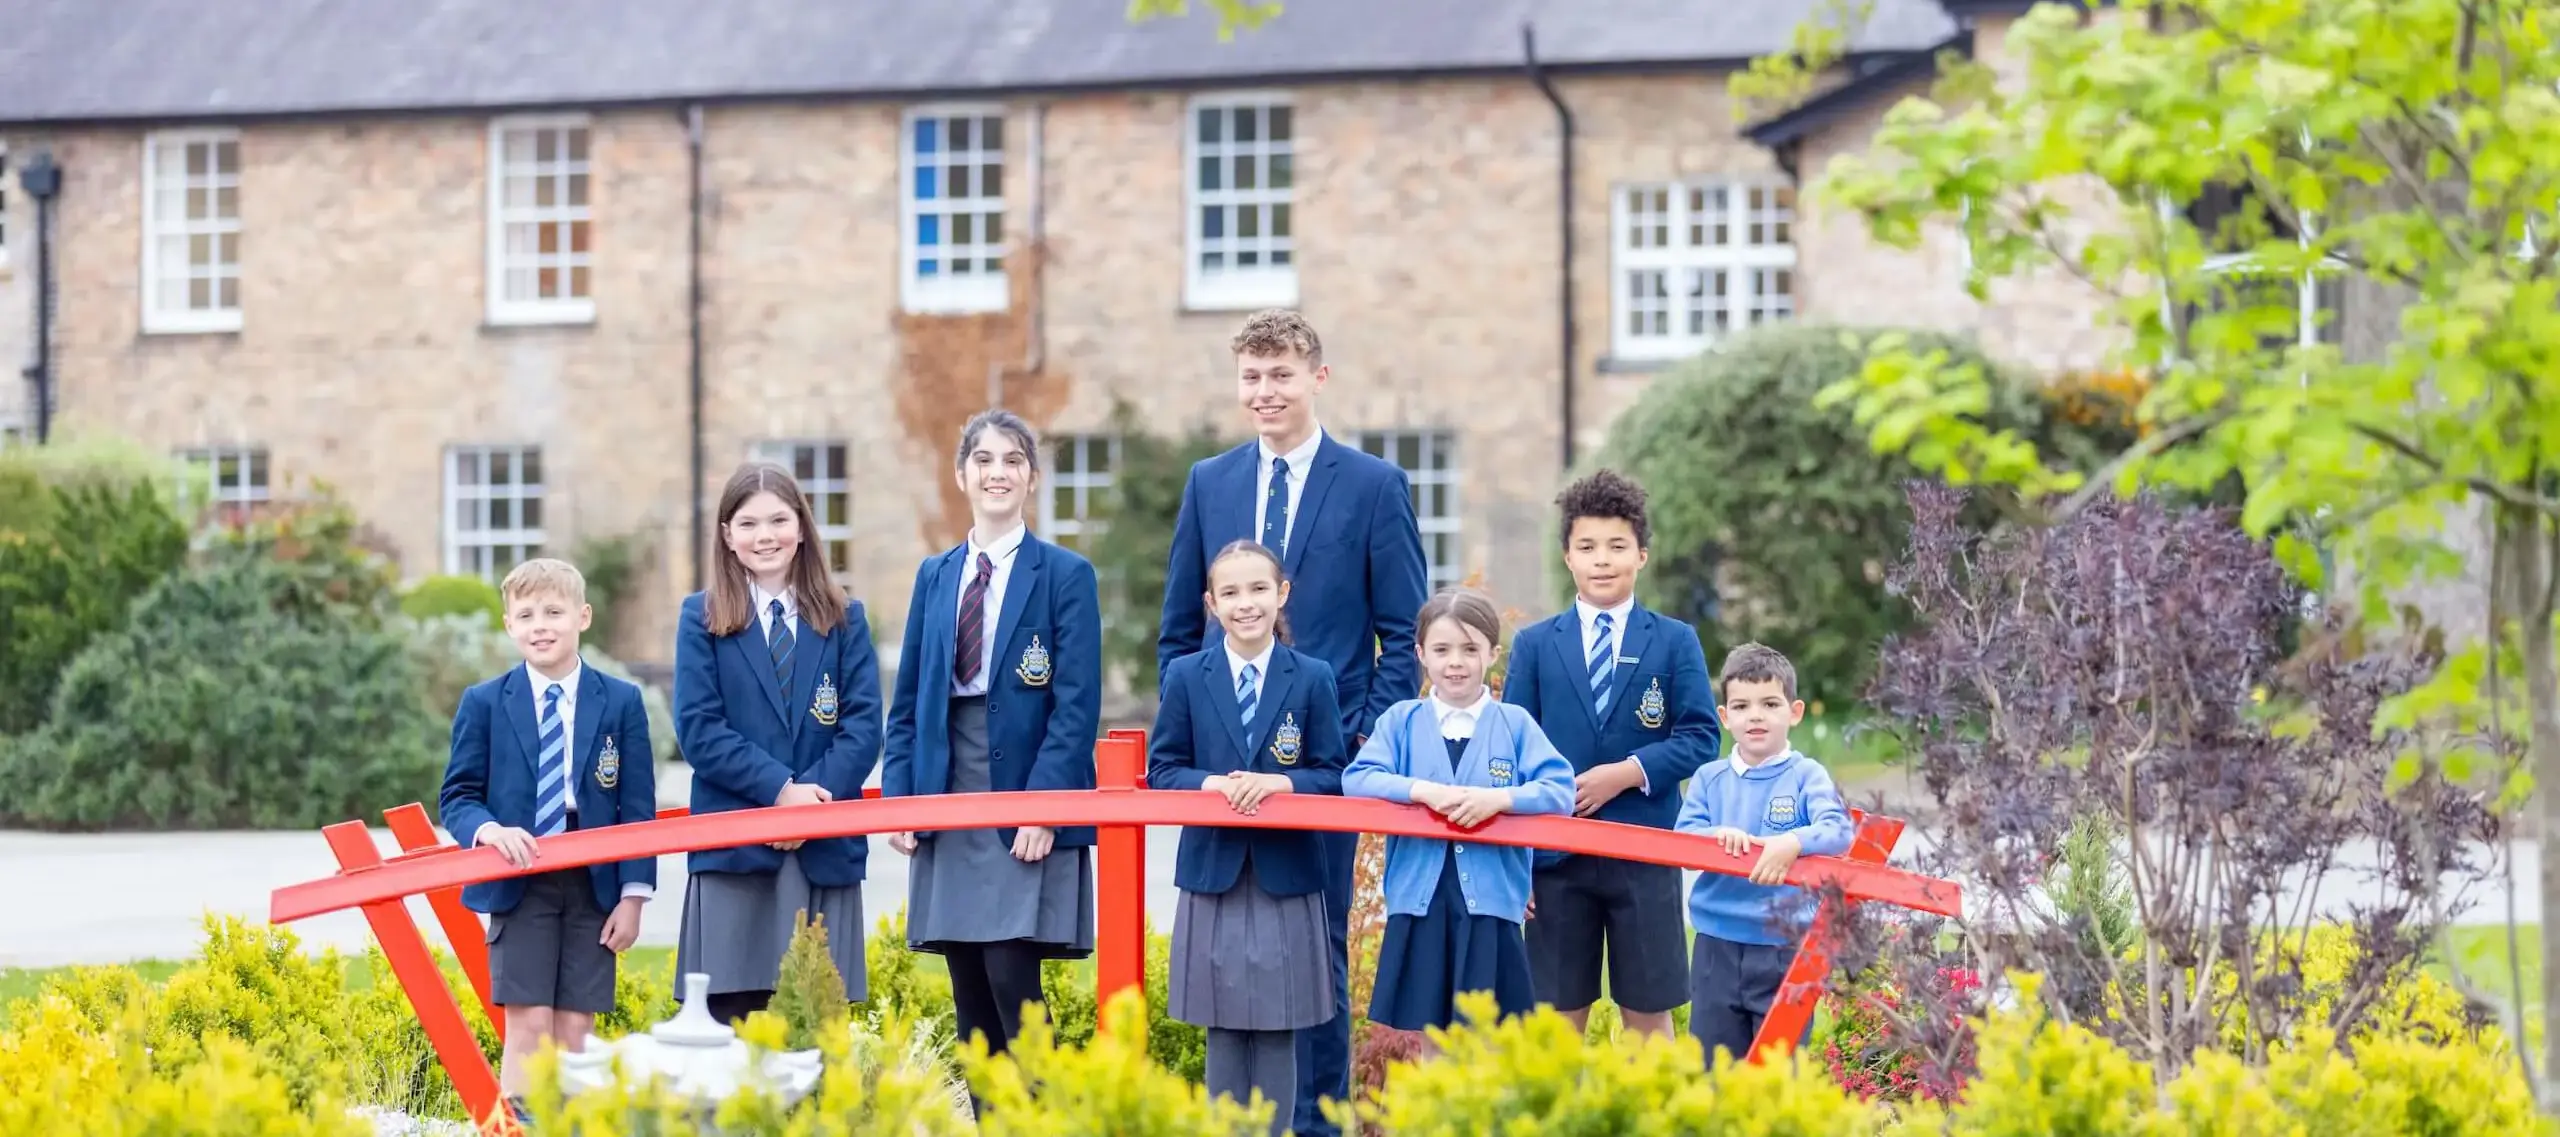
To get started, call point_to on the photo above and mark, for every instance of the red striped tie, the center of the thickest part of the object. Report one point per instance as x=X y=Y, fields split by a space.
x=973 y=619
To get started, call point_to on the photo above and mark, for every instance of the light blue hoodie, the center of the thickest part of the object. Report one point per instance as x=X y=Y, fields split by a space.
x=1786 y=794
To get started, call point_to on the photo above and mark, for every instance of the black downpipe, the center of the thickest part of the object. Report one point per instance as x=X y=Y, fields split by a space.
x=43 y=181
x=1564 y=227
x=693 y=322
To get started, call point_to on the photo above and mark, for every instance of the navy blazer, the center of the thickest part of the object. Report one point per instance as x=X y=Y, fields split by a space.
x=745 y=736
x=1200 y=731
x=1662 y=706
x=1044 y=692
x=1354 y=561
x=493 y=775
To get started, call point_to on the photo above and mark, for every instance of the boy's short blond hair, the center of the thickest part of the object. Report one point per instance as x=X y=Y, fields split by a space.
x=546 y=575
x=1274 y=332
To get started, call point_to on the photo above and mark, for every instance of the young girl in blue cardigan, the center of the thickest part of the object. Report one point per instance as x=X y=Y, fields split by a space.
x=1454 y=909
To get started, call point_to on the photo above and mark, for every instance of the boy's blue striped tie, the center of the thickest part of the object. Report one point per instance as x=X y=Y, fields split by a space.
x=551 y=814
x=1246 y=697
x=779 y=640
x=1604 y=667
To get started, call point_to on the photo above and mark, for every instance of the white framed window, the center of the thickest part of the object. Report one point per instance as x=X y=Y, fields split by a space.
x=1079 y=487
x=1697 y=260
x=191 y=231
x=954 y=215
x=2221 y=215
x=1241 y=153
x=819 y=467
x=1429 y=459
x=227 y=475
x=540 y=221
x=493 y=509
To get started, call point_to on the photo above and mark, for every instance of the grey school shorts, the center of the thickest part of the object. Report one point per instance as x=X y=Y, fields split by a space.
x=547 y=951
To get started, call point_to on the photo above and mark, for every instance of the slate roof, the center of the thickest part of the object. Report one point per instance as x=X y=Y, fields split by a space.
x=172 y=60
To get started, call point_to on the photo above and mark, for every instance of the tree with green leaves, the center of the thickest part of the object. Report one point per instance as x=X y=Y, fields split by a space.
x=2216 y=172
x=1135 y=544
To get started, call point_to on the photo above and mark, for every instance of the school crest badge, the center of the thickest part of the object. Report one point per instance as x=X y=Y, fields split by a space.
x=1500 y=769
x=1034 y=668
x=1782 y=811
x=1286 y=742
x=1649 y=711
x=822 y=707
x=608 y=764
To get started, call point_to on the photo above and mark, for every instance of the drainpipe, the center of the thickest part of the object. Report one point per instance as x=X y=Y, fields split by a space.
x=43 y=181
x=693 y=330
x=1564 y=229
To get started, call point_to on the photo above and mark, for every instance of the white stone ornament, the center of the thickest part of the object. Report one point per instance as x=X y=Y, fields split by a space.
x=698 y=1057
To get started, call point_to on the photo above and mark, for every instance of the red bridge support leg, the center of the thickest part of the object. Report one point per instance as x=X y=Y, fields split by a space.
x=1793 y=1009
x=462 y=926
x=429 y=995
x=1120 y=874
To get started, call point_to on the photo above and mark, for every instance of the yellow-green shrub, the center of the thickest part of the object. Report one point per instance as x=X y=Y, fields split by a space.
x=1110 y=1087
x=1534 y=1074
x=60 y=1074
x=2412 y=1003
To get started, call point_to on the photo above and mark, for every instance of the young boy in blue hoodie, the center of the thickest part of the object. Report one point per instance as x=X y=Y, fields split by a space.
x=1765 y=794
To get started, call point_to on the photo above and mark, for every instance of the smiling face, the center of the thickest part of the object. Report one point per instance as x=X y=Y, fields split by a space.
x=1456 y=657
x=1278 y=392
x=1604 y=556
x=545 y=625
x=1246 y=594
x=764 y=534
x=997 y=474
x=1757 y=715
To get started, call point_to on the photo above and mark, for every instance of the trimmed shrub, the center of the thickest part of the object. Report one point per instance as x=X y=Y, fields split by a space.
x=72 y=559
x=455 y=596
x=1773 y=518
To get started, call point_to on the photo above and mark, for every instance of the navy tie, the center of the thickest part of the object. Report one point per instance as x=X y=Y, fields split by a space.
x=551 y=795
x=779 y=639
x=1275 y=509
x=1604 y=666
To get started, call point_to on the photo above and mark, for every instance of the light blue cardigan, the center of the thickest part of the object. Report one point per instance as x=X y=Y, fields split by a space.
x=1508 y=750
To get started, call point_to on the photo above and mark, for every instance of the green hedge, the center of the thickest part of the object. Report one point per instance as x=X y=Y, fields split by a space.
x=74 y=553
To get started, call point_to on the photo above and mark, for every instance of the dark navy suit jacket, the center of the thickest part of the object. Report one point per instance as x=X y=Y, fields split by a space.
x=1550 y=678
x=745 y=735
x=1200 y=731
x=1354 y=561
x=1039 y=734
x=493 y=775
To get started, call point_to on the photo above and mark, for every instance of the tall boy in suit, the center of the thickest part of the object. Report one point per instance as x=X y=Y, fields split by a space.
x=547 y=748
x=1343 y=523
x=1624 y=693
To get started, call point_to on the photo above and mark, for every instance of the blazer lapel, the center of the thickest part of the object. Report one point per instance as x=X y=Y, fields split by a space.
x=1577 y=669
x=518 y=693
x=1310 y=504
x=1222 y=702
x=1234 y=487
x=1631 y=648
x=1276 y=688
x=1018 y=587
x=941 y=629
x=591 y=711
x=756 y=651
x=808 y=659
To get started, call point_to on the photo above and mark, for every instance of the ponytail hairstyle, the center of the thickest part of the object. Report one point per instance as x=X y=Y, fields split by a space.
x=730 y=607
x=1259 y=551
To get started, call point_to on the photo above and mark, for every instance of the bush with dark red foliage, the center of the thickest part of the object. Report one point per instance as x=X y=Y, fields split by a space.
x=2127 y=667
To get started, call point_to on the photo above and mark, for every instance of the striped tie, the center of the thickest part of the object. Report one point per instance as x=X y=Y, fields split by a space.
x=1246 y=697
x=552 y=815
x=779 y=639
x=1604 y=667
x=1275 y=509
x=971 y=645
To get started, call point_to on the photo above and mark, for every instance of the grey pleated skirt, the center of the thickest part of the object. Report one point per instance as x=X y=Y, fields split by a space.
x=965 y=887
x=1244 y=959
x=736 y=926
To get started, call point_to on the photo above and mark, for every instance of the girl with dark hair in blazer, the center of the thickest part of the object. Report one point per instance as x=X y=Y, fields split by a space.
x=1249 y=718
x=777 y=703
x=999 y=689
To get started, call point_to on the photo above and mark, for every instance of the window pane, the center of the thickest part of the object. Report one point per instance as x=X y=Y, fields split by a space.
x=991 y=180
x=1209 y=170
x=960 y=133
x=991 y=133
x=1282 y=128
x=1280 y=219
x=1210 y=122
x=530 y=468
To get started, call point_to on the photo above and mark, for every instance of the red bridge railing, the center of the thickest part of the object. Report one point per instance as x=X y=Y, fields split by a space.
x=428 y=866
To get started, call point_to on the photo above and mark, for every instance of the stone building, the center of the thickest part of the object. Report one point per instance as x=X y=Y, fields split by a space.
x=509 y=277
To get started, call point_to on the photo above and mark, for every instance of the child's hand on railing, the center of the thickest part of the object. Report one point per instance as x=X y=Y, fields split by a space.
x=1474 y=805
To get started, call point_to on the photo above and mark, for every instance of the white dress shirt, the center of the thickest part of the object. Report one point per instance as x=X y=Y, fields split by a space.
x=1300 y=460
x=764 y=610
x=1002 y=553
x=1457 y=721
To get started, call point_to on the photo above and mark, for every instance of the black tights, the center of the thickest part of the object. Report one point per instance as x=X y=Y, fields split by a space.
x=732 y=1007
x=989 y=985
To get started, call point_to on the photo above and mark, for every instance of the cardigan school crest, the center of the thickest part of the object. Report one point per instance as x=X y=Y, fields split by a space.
x=1034 y=668
x=1782 y=811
